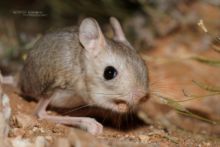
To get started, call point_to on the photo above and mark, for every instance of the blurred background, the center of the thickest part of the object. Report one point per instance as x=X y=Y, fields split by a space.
x=145 y=22
x=165 y=32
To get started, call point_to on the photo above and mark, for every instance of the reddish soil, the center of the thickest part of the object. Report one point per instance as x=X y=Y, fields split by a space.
x=170 y=73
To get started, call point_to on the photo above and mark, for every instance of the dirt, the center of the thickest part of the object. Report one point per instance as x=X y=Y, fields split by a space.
x=24 y=125
x=170 y=73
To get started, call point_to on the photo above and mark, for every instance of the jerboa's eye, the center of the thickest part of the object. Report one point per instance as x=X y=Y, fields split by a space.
x=110 y=73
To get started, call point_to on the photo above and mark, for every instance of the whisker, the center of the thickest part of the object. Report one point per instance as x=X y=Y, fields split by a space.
x=158 y=83
x=77 y=108
x=104 y=118
x=162 y=82
x=84 y=106
x=155 y=93
x=130 y=117
x=126 y=119
x=100 y=93
x=116 y=95
x=119 y=120
x=106 y=93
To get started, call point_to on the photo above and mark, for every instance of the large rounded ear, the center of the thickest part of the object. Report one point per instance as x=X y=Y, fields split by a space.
x=118 y=32
x=91 y=36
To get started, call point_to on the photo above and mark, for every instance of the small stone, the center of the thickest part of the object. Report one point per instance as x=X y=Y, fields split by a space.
x=3 y=126
x=17 y=132
x=5 y=114
x=126 y=135
x=62 y=142
x=49 y=138
x=40 y=141
x=77 y=137
x=41 y=130
x=208 y=144
x=143 y=138
x=35 y=129
x=19 y=142
x=24 y=121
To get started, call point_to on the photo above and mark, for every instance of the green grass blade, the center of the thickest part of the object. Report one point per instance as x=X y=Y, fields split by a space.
x=205 y=60
x=216 y=48
x=190 y=114
x=182 y=110
x=193 y=97
x=207 y=87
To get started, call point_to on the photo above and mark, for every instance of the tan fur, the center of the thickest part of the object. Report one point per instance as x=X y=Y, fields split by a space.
x=61 y=60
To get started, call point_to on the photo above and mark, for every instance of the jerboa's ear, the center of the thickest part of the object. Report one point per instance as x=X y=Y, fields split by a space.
x=118 y=32
x=91 y=36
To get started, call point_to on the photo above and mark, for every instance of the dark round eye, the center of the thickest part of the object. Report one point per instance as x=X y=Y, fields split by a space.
x=110 y=73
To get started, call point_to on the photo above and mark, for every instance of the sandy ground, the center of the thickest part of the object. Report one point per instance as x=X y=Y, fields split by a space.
x=171 y=72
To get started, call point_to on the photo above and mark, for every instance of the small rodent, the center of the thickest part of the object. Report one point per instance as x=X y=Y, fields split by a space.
x=77 y=66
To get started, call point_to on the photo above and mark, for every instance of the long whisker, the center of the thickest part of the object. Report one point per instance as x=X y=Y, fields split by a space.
x=116 y=96
x=107 y=94
x=104 y=118
x=84 y=106
x=158 y=92
x=119 y=94
x=77 y=108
